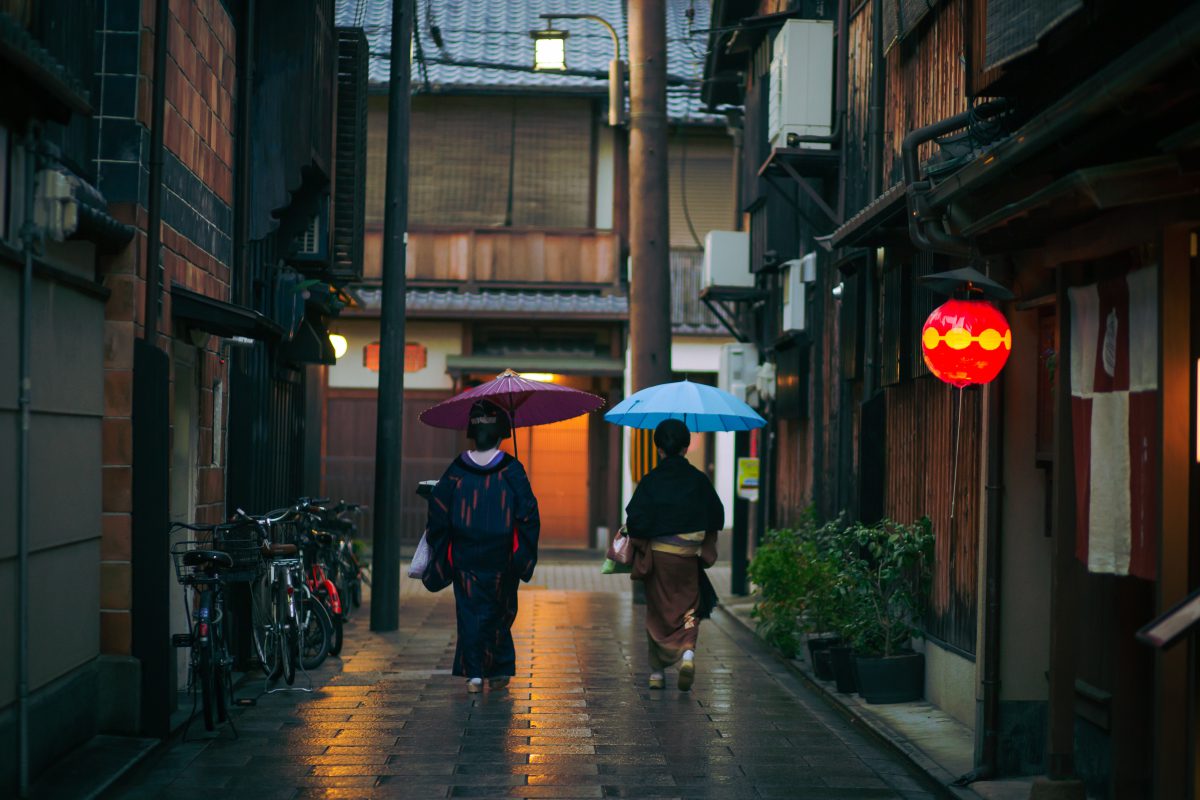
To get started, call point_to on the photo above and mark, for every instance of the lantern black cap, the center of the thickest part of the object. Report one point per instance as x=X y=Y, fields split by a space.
x=968 y=280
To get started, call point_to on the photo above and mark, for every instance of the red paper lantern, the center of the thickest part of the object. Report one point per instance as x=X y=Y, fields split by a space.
x=966 y=341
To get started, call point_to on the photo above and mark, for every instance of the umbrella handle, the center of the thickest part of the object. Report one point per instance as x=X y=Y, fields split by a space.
x=512 y=424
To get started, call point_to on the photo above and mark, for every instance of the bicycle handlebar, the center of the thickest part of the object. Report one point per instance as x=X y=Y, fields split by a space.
x=193 y=526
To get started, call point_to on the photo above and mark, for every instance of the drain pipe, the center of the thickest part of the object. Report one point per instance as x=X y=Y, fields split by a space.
x=875 y=111
x=925 y=228
x=840 y=91
x=162 y=24
x=991 y=617
x=24 y=400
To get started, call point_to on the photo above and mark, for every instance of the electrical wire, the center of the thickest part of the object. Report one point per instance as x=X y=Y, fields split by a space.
x=416 y=32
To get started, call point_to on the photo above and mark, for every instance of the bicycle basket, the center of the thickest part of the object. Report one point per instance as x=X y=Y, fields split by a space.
x=240 y=540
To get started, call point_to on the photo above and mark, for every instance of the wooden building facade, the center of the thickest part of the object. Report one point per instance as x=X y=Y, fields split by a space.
x=1048 y=145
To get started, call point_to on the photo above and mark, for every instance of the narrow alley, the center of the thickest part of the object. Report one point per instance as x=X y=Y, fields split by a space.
x=389 y=720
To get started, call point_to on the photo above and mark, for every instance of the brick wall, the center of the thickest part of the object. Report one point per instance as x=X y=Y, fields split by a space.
x=197 y=243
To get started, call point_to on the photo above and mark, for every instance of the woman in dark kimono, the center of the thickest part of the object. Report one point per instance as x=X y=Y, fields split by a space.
x=484 y=518
x=672 y=521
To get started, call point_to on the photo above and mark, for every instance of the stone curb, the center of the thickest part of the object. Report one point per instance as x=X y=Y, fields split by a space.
x=882 y=733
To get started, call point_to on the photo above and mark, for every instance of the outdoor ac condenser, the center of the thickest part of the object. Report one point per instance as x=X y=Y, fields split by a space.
x=797 y=275
x=738 y=368
x=727 y=259
x=801 y=90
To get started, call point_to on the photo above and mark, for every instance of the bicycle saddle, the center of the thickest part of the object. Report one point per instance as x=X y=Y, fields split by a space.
x=194 y=558
x=279 y=550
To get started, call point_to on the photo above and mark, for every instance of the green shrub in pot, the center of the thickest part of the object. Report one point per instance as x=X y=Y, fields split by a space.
x=783 y=571
x=889 y=570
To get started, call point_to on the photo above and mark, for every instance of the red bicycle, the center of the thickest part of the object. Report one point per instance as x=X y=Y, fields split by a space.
x=321 y=550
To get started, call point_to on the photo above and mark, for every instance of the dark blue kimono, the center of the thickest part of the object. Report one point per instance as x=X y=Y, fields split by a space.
x=483 y=530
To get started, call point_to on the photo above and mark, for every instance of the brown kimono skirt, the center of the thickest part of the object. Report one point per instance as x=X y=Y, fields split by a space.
x=678 y=596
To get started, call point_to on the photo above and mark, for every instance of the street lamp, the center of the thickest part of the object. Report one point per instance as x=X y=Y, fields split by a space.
x=550 y=39
x=549 y=50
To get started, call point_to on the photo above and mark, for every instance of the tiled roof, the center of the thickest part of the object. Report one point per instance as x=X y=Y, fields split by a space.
x=526 y=303
x=498 y=33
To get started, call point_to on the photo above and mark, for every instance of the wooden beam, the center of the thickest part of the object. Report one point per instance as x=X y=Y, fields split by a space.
x=1178 y=367
x=1064 y=614
x=1108 y=233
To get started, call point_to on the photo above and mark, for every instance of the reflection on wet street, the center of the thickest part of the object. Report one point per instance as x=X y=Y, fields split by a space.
x=577 y=721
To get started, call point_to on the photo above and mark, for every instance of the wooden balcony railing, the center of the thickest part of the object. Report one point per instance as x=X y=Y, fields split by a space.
x=515 y=256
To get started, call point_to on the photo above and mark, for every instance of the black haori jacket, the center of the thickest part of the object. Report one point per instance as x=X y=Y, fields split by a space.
x=482 y=519
x=672 y=498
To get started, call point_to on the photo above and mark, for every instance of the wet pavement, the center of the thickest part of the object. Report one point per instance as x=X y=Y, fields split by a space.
x=388 y=720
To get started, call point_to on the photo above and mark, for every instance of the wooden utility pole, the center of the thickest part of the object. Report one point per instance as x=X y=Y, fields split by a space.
x=385 y=573
x=649 y=233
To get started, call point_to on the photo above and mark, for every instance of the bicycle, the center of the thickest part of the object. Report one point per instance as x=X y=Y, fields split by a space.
x=345 y=570
x=200 y=566
x=320 y=555
x=289 y=626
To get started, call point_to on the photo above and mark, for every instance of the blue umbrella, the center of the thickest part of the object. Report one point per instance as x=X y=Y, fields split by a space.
x=701 y=407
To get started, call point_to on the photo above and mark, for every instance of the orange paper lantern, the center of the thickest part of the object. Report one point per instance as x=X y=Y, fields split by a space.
x=966 y=341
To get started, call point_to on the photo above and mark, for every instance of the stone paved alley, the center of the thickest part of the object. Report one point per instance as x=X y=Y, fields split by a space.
x=388 y=720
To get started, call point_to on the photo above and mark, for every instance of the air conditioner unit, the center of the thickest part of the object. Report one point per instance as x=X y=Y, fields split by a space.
x=737 y=368
x=801 y=91
x=797 y=275
x=727 y=259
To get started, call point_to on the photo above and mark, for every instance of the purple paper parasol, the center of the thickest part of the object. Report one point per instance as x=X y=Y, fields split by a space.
x=527 y=402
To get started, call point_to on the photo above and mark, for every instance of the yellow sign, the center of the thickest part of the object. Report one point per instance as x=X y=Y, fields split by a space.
x=747 y=478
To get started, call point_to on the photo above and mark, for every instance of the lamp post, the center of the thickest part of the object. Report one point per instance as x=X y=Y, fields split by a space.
x=646 y=184
x=549 y=54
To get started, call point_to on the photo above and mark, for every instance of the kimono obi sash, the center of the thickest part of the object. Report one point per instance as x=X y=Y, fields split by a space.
x=679 y=544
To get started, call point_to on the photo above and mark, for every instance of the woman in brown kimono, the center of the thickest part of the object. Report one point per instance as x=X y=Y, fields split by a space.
x=672 y=522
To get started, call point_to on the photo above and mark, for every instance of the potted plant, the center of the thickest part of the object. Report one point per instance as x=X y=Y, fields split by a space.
x=890 y=568
x=839 y=548
x=781 y=576
x=824 y=595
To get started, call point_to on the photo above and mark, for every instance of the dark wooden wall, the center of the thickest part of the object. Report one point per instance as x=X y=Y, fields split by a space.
x=349 y=464
x=925 y=83
x=923 y=421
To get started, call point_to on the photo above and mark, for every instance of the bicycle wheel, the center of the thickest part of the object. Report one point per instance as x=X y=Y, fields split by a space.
x=287 y=641
x=337 y=634
x=265 y=626
x=205 y=677
x=315 y=628
x=343 y=589
x=336 y=629
x=352 y=597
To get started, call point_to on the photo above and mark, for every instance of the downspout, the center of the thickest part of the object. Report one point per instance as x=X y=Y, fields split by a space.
x=24 y=402
x=840 y=92
x=875 y=112
x=875 y=187
x=154 y=204
x=924 y=227
x=991 y=618
x=241 y=214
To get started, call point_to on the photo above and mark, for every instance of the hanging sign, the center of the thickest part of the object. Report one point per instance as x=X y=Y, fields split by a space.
x=747 y=478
